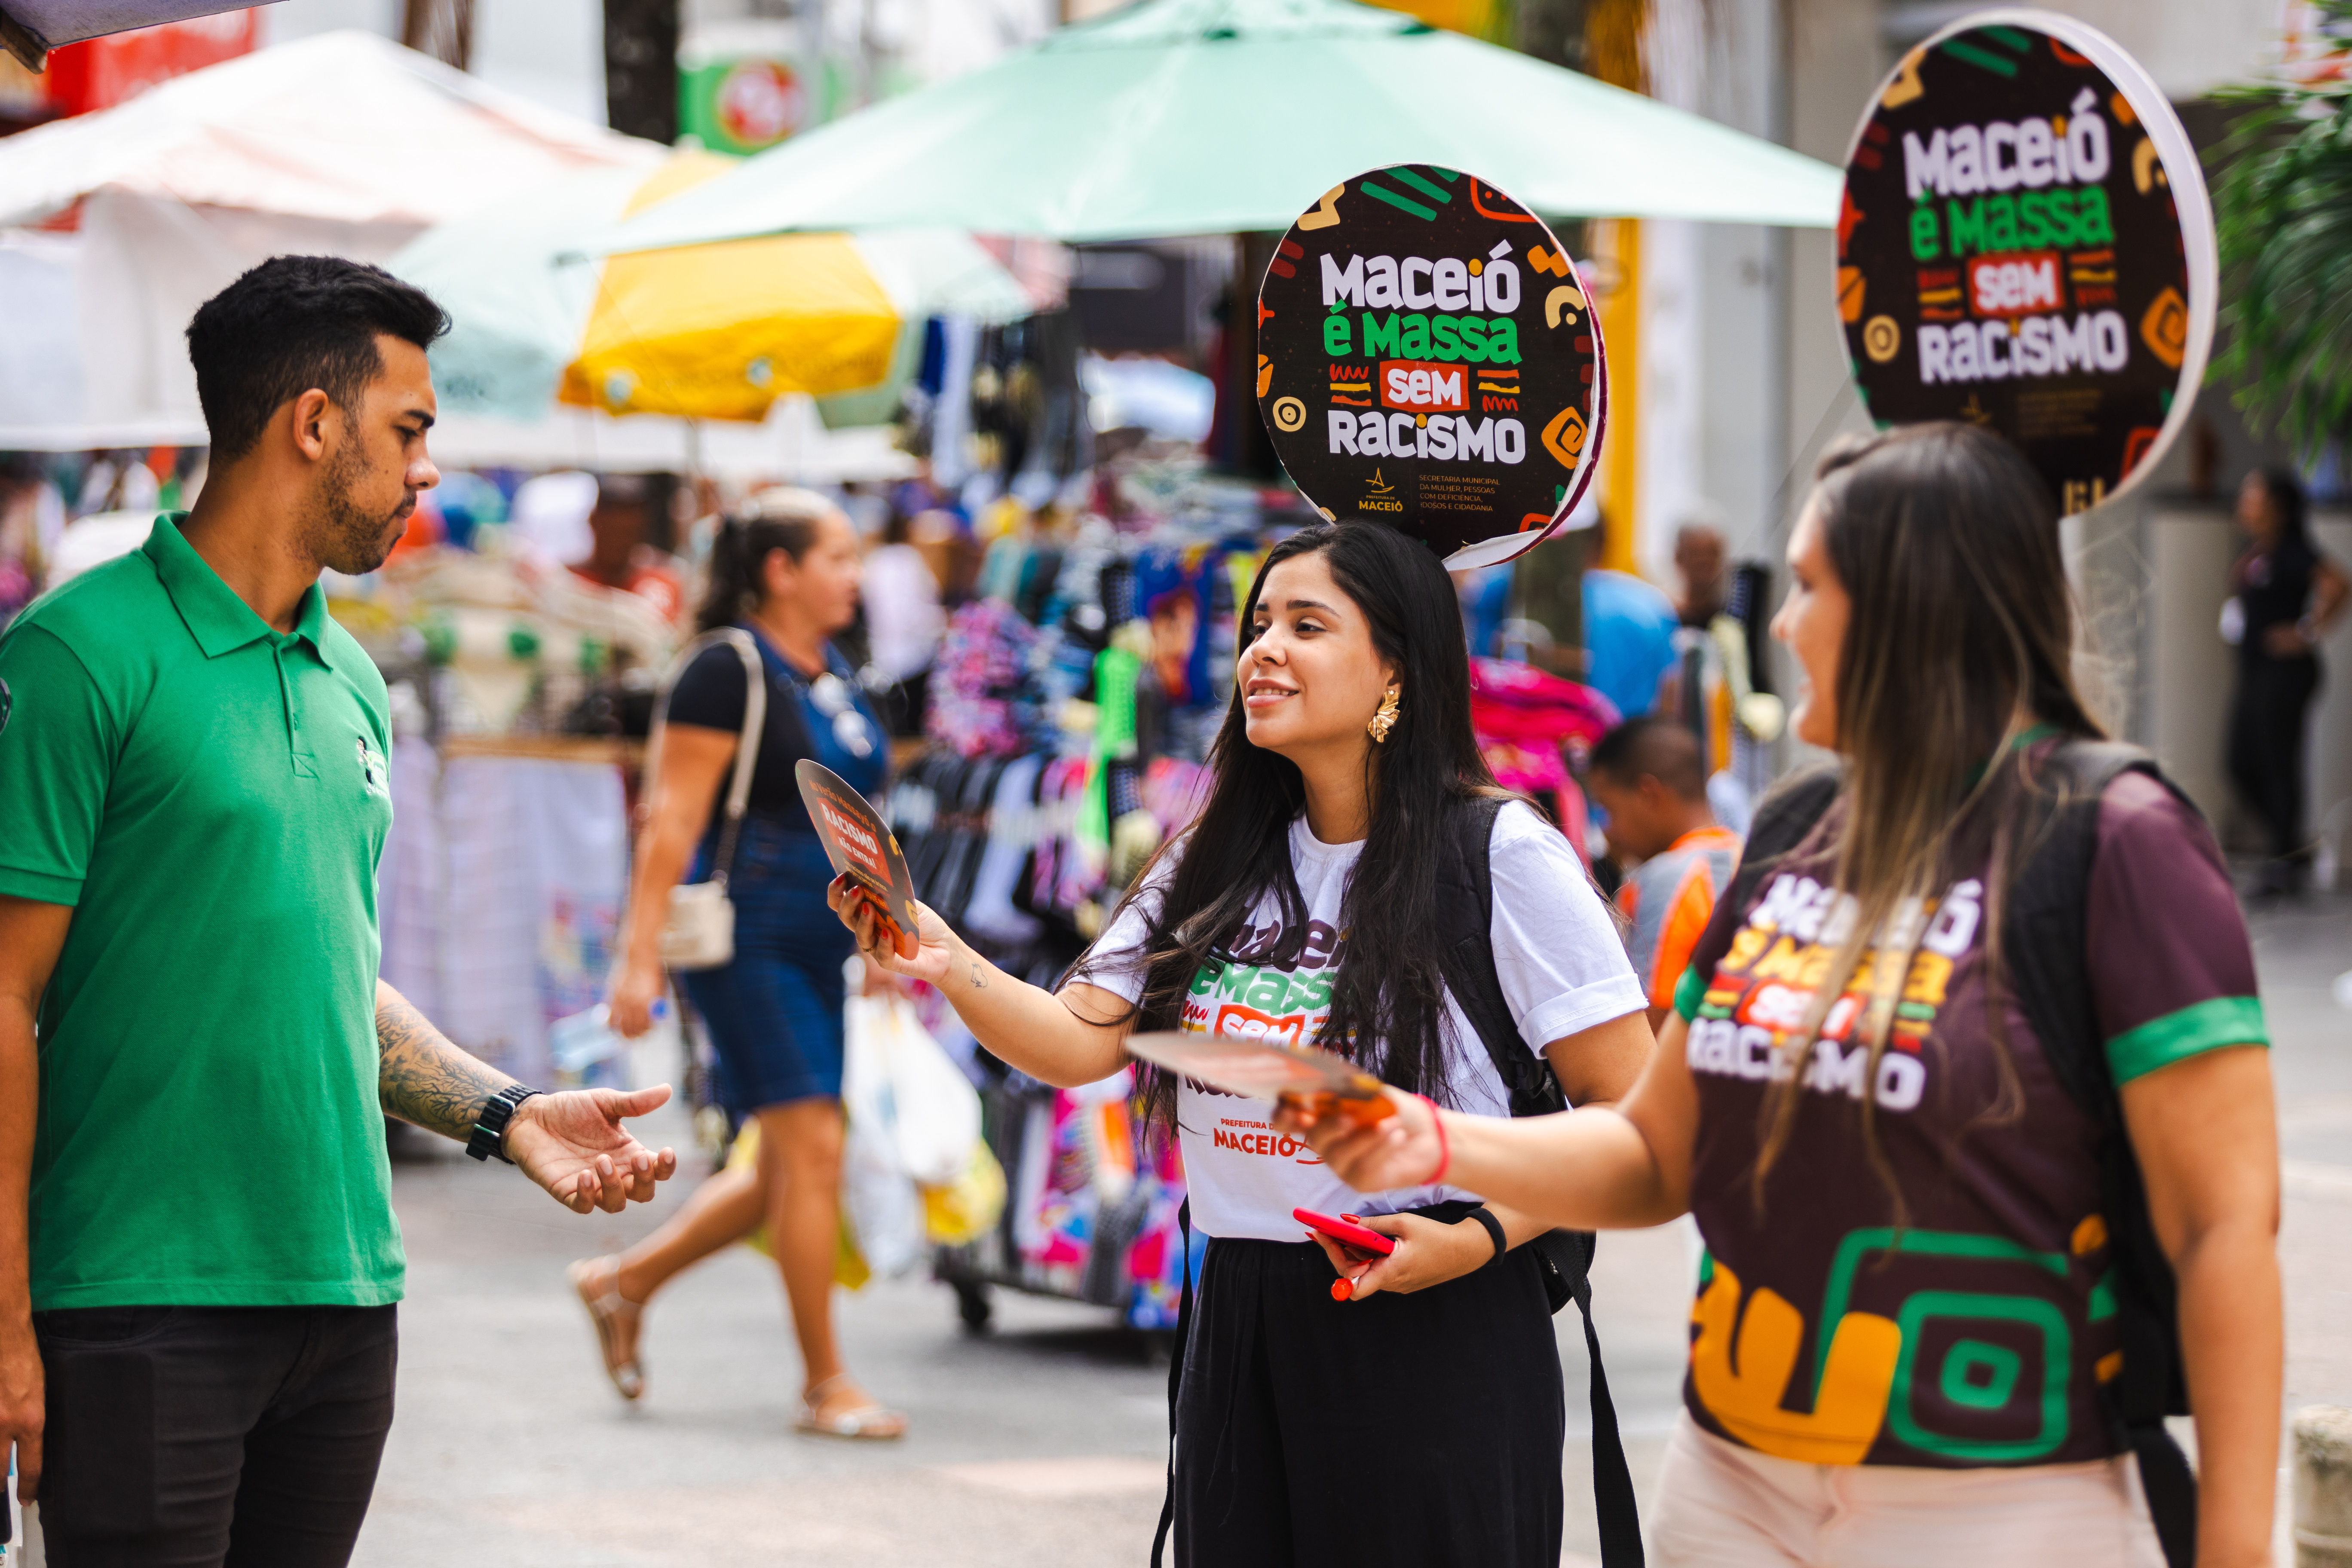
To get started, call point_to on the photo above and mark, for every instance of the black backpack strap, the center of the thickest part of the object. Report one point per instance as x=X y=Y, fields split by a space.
x=1176 y=1382
x=1784 y=819
x=2044 y=944
x=1466 y=903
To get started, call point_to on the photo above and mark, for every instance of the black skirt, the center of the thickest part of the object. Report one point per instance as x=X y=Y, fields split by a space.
x=1419 y=1430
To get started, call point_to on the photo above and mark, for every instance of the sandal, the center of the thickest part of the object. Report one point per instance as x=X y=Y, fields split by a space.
x=871 y=1422
x=609 y=1310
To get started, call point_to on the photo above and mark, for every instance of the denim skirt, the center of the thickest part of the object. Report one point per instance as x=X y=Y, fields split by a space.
x=774 y=1013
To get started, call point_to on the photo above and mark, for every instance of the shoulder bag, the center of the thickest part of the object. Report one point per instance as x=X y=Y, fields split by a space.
x=699 y=932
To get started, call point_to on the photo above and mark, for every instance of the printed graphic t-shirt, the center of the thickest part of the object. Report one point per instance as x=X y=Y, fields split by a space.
x=1669 y=899
x=1556 y=952
x=1977 y=1332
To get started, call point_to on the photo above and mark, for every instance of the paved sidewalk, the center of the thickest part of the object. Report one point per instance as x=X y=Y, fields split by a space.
x=1041 y=1443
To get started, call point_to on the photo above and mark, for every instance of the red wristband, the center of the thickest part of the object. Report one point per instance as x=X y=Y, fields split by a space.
x=1445 y=1155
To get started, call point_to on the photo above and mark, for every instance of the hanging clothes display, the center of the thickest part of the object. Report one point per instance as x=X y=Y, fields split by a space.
x=1073 y=704
x=1523 y=718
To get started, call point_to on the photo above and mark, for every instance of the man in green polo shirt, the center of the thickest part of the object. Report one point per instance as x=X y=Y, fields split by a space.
x=198 y=1256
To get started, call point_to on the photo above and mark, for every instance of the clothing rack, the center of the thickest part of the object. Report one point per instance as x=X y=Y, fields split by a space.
x=1072 y=708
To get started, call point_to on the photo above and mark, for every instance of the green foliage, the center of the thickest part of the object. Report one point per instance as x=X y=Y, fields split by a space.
x=2283 y=212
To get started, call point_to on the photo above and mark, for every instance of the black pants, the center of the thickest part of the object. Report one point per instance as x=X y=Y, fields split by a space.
x=211 y=1436
x=2267 y=729
x=1420 y=1430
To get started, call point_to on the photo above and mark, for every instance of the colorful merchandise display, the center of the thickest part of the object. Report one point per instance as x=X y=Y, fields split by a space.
x=1072 y=705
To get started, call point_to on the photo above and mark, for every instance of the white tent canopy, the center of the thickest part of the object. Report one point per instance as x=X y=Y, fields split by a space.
x=344 y=126
x=343 y=145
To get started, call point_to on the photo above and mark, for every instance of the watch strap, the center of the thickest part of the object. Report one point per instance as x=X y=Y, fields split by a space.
x=489 y=1136
x=1494 y=1229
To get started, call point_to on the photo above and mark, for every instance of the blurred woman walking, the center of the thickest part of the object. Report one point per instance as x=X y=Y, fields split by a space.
x=787 y=577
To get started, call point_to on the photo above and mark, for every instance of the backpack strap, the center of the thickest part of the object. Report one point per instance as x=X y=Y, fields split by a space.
x=1176 y=1383
x=1784 y=819
x=2044 y=944
x=1466 y=903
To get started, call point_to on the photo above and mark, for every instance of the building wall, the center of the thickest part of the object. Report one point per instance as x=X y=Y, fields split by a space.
x=550 y=51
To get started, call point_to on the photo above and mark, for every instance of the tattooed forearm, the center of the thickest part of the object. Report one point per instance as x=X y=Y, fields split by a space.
x=979 y=982
x=422 y=1079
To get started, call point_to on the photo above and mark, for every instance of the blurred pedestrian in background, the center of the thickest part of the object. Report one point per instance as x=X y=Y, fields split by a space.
x=903 y=624
x=1628 y=633
x=1967 y=1087
x=622 y=553
x=1699 y=561
x=2283 y=598
x=1650 y=776
x=788 y=576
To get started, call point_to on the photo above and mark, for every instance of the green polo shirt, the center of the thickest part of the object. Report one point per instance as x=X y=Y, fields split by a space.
x=211 y=797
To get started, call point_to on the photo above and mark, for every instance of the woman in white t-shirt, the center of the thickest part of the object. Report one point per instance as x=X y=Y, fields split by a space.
x=1303 y=902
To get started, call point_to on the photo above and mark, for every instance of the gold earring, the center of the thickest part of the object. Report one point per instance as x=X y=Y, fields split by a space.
x=1385 y=720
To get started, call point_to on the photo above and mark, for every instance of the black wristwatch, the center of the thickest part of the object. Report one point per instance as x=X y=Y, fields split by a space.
x=1494 y=1229
x=489 y=1137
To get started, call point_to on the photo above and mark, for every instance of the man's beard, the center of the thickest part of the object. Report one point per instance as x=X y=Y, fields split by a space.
x=344 y=535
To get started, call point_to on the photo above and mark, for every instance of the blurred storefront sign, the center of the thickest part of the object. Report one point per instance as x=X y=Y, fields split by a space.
x=100 y=72
x=744 y=87
x=30 y=29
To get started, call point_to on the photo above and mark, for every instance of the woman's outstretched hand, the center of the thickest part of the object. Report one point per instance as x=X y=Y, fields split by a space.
x=1405 y=1150
x=934 y=942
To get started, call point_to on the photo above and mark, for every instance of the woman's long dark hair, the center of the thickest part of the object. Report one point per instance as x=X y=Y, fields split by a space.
x=1960 y=638
x=1388 y=998
x=2285 y=487
x=783 y=518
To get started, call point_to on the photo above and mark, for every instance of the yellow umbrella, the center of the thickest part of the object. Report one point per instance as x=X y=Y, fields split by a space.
x=716 y=331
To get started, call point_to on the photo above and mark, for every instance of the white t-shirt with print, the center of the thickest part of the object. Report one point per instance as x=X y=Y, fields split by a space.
x=1557 y=953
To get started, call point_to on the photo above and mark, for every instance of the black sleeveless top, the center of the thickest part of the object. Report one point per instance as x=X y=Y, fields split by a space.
x=2275 y=589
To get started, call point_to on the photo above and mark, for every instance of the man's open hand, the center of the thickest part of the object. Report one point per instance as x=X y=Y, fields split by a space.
x=573 y=1144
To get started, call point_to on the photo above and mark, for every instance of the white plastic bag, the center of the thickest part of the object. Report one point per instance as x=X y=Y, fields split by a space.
x=885 y=1213
x=938 y=1112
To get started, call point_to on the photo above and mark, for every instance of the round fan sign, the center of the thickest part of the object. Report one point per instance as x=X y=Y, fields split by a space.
x=1427 y=356
x=2026 y=244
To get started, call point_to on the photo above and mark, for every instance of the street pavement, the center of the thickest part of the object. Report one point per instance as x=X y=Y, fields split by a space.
x=1042 y=1443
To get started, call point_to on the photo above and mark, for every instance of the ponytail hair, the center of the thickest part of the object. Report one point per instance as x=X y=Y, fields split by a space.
x=784 y=517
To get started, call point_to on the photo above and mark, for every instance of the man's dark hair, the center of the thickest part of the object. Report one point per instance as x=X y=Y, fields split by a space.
x=1659 y=746
x=293 y=324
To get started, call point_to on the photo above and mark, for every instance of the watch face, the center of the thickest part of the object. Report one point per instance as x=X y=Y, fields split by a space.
x=2025 y=244
x=1427 y=357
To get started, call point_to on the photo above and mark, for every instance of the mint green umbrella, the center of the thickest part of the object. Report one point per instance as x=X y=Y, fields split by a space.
x=1218 y=116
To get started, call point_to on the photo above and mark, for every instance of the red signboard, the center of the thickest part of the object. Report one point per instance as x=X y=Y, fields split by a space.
x=102 y=72
x=2015 y=285
x=1425 y=387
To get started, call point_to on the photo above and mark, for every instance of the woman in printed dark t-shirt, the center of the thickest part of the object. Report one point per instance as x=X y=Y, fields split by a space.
x=787 y=574
x=1906 y=1326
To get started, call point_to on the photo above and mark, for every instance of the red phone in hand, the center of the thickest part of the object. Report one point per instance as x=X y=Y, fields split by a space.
x=1347 y=1233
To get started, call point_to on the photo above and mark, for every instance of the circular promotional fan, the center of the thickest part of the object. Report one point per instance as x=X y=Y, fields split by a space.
x=2026 y=244
x=1428 y=356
